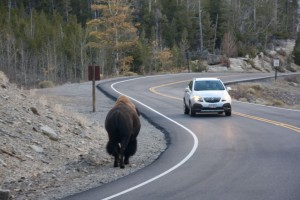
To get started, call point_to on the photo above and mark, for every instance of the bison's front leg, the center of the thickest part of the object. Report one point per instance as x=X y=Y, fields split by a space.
x=122 y=166
x=116 y=162
x=117 y=155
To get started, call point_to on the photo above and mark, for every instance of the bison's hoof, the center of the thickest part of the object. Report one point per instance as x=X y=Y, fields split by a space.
x=122 y=166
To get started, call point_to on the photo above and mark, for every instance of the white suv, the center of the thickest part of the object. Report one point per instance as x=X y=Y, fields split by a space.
x=206 y=95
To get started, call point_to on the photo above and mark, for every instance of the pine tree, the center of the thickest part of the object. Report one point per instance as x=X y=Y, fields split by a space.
x=113 y=30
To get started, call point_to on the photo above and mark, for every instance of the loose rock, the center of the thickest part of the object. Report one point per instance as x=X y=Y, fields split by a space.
x=49 y=132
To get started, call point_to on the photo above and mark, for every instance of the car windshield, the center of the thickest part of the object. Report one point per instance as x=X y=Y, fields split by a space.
x=208 y=85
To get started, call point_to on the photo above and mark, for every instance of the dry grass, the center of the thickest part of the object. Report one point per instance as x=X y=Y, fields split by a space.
x=293 y=79
x=247 y=91
x=284 y=92
x=277 y=103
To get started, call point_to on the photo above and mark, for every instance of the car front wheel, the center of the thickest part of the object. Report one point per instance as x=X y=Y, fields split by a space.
x=186 y=110
x=228 y=113
x=191 y=111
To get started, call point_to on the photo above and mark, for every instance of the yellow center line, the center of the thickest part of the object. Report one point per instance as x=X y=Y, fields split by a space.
x=288 y=126
x=153 y=89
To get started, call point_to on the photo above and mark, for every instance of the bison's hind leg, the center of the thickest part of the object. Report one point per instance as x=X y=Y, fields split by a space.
x=113 y=149
x=130 y=150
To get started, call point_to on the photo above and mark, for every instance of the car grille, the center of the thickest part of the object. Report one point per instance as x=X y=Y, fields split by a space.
x=212 y=99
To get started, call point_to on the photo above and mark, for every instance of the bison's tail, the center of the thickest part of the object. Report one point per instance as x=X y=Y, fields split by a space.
x=131 y=148
x=112 y=148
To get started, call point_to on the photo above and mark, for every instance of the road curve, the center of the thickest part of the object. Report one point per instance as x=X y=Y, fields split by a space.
x=254 y=154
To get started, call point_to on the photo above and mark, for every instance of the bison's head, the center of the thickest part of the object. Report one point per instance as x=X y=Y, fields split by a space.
x=125 y=100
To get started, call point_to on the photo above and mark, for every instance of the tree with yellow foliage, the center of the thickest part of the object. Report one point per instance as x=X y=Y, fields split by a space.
x=113 y=30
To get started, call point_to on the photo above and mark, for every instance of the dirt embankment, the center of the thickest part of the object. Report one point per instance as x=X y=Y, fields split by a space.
x=283 y=92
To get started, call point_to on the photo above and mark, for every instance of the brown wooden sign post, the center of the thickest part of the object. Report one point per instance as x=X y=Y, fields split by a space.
x=94 y=75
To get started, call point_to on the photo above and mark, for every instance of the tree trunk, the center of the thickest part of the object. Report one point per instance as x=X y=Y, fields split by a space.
x=254 y=14
x=275 y=14
x=200 y=27
x=31 y=23
x=215 y=38
x=9 y=10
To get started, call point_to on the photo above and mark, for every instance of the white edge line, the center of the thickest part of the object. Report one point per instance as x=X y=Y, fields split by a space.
x=172 y=168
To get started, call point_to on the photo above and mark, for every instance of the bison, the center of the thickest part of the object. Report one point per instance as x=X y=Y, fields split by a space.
x=123 y=125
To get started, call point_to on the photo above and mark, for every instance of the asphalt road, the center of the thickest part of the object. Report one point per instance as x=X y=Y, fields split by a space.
x=253 y=154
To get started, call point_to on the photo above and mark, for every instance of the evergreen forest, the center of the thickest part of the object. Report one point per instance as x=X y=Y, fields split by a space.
x=56 y=40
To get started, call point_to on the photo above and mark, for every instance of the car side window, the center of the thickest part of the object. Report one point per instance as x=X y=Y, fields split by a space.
x=191 y=85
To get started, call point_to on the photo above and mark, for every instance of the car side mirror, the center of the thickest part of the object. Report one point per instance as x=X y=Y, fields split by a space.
x=229 y=88
x=187 y=89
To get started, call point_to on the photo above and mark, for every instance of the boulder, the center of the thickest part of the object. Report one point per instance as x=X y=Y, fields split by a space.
x=239 y=64
x=213 y=59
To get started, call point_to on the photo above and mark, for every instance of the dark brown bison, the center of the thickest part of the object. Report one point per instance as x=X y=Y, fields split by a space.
x=122 y=124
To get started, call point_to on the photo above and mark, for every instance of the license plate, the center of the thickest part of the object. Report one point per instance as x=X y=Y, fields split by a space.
x=212 y=105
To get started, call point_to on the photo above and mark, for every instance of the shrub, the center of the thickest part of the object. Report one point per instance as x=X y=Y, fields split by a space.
x=277 y=103
x=129 y=73
x=251 y=91
x=46 y=84
x=251 y=51
x=225 y=62
x=238 y=92
x=281 y=52
x=257 y=87
x=198 y=66
x=229 y=46
x=250 y=62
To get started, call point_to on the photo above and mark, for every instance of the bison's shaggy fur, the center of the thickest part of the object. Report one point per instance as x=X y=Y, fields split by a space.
x=122 y=124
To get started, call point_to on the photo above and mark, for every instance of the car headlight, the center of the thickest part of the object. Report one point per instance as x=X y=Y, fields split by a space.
x=198 y=98
x=226 y=97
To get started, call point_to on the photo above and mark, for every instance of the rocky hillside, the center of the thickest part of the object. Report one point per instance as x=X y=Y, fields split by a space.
x=262 y=62
x=39 y=140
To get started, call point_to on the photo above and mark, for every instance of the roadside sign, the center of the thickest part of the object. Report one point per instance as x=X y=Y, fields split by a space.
x=91 y=73
x=276 y=62
x=94 y=75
